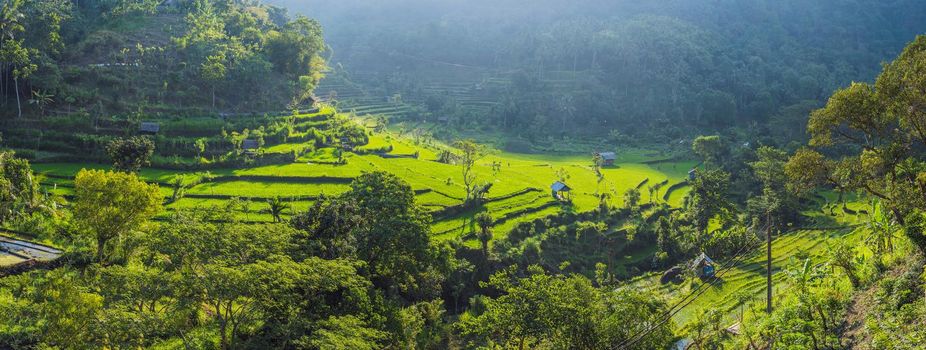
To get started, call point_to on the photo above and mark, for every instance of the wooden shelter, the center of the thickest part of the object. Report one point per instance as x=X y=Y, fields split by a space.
x=607 y=158
x=346 y=144
x=149 y=128
x=312 y=100
x=250 y=146
x=703 y=266
x=560 y=190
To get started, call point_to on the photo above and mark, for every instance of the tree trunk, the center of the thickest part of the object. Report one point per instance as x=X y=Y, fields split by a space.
x=19 y=107
x=853 y=279
x=223 y=325
x=100 y=244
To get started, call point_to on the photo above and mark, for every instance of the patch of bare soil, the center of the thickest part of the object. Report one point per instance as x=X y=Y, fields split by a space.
x=854 y=335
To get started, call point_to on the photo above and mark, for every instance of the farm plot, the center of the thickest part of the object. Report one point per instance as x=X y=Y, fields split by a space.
x=264 y=190
x=747 y=279
x=519 y=182
x=506 y=214
x=14 y=251
x=250 y=210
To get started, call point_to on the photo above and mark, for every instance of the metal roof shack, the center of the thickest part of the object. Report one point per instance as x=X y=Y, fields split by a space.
x=149 y=128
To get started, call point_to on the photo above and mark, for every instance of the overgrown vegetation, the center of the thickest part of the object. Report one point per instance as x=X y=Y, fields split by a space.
x=204 y=198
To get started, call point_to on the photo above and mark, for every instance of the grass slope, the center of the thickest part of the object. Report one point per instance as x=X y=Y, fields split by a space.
x=747 y=279
x=519 y=193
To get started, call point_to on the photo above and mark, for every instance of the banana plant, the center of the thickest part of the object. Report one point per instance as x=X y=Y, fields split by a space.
x=881 y=229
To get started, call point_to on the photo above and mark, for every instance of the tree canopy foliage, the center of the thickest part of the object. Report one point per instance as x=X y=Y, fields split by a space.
x=114 y=57
x=646 y=69
x=869 y=138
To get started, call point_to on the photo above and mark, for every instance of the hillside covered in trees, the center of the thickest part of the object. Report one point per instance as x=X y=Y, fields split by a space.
x=644 y=69
x=123 y=57
x=687 y=175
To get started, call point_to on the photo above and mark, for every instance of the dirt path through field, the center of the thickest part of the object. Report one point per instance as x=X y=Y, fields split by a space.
x=855 y=335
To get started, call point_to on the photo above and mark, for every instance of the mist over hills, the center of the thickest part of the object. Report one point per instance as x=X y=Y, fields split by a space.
x=704 y=63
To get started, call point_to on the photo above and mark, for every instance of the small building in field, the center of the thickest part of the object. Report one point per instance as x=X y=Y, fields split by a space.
x=250 y=146
x=734 y=329
x=607 y=158
x=560 y=190
x=149 y=128
x=346 y=144
x=703 y=266
x=312 y=100
x=692 y=174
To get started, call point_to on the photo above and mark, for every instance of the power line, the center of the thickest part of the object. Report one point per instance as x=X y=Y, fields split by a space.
x=699 y=291
x=672 y=311
x=681 y=305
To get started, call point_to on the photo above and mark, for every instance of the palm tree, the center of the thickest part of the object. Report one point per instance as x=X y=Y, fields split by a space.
x=277 y=206
x=246 y=207
x=881 y=228
x=177 y=186
x=567 y=109
x=12 y=51
x=41 y=100
x=803 y=275
x=484 y=220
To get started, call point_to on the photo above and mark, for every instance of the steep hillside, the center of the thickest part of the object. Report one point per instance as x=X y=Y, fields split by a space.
x=649 y=70
x=127 y=59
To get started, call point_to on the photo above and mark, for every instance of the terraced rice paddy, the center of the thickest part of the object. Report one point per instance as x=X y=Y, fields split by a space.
x=520 y=187
x=14 y=251
x=746 y=278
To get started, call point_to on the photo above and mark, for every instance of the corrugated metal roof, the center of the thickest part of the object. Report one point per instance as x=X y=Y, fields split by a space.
x=151 y=127
x=249 y=144
x=559 y=186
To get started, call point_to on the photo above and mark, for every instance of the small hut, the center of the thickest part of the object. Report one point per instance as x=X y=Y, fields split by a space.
x=607 y=158
x=703 y=266
x=250 y=146
x=692 y=174
x=312 y=100
x=346 y=144
x=149 y=128
x=560 y=190
x=734 y=329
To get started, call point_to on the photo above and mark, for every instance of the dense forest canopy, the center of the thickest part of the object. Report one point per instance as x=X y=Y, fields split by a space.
x=630 y=65
x=114 y=57
x=510 y=174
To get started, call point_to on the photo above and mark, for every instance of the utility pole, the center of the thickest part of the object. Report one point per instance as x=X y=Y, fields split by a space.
x=768 y=273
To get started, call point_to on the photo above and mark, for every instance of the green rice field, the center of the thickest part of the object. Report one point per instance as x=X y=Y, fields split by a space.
x=747 y=277
x=520 y=185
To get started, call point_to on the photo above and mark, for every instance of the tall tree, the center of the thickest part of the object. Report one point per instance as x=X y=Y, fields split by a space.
x=709 y=197
x=870 y=138
x=110 y=205
x=711 y=149
x=213 y=71
x=130 y=154
x=394 y=239
x=555 y=311
x=484 y=221
x=776 y=200
x=18 y=187
x=470 y=152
